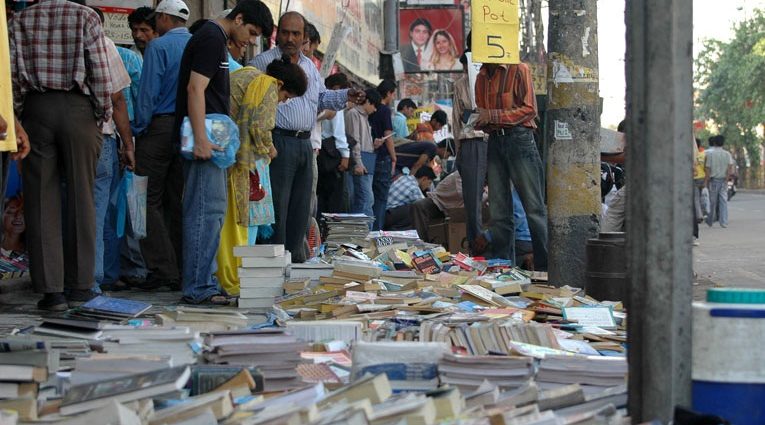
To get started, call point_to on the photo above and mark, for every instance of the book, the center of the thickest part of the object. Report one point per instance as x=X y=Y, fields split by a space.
x=20 y=373
x=326 y=330
x=601 y=317
x=115 y=306
x=25 y=407
x=39 y=358
x=376 y=388
x=261 y=262
x=67 y=331
x=273 y=272
x=425 y=262
x=265 y=302
x=218 y=402
x=13 y=343
x=209 y=377
x=18 y=390
x=260 y=292
x=262 y=282
x=259 y=251
x=86 y=397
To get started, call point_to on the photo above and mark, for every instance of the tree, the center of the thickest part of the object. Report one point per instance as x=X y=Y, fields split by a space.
x=729 y=79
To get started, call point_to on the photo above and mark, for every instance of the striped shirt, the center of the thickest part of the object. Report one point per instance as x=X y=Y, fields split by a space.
x=460 y=104
x=59 y=45
x=508 y=94
x=299 y=113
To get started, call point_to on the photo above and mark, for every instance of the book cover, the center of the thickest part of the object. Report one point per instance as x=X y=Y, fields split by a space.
x=117 y=306
x=426 y=263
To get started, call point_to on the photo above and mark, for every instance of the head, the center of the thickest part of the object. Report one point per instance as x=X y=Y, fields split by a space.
x=170 y=14
x=468 y=48
x=718 y=140
x=248 y=20
x=425 y=177
x=13 y=216
x=311 y=40
x=372 y=102
x=443 y=44
x=291 y=34
x=438 y=120
x=294 y=81
x=337 y=81
x=419 y=31
x=445 y=148
x=406 y=107
x=387 y=89
x=622 y=127
x=143 y=27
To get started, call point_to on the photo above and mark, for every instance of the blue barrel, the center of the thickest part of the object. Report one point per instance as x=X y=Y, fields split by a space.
x=728 y=345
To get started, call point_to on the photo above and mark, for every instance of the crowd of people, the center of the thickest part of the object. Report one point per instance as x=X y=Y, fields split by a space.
x=88 y=111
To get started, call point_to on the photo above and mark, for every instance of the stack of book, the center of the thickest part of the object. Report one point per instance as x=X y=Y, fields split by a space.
x=203 y=319
x=24 y=365
x=262 y=275
x=469 y=372
x=488 y=336
x=275 y=353
x=593 y=373
x=342 y=228
x=102 y=366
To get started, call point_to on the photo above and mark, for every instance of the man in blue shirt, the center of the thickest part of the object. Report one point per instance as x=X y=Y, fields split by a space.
x=156 y=155
x=294 y=121
x=382 y=132
x=404 y=111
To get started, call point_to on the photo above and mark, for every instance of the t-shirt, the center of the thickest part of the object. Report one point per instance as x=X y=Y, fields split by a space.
x=381 y=121
x=718 y=160
x=408 y=154
x=698 y=169
x=206 y=53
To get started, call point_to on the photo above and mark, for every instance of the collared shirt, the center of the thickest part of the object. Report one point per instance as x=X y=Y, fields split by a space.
x=448 y=194
x=357 y=130
x=336 y=128
x=718 y=160
x=460 y=104
x=60 y=45
x=159 y=77
x=299 y=113
x=120 y=79
x=399 y=125
x=404 y=190
x=133 y=64
x=508 y=94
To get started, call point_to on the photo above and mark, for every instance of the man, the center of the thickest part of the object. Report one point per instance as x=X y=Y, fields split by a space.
x=506 y=111
x=404 y=111
x=142 y=27
x=718 y=167
x=404 y=191
x=425 y=130
x=334 y=150
x=471 y=152
x=446 y=196
x=414 y=54
x=62 y=105
x=204 y=88
x=311 y=43
x=414 y=155
x=614 y=219
x=382 y=130
x=701 y=206
x=157 y=156
x=294 y=121
x=359 y=135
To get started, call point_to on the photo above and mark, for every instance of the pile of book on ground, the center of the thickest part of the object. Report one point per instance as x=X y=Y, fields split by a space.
x=261 y=275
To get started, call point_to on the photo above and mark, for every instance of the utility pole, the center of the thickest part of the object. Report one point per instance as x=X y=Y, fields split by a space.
x=572 y=138
x=659 y=161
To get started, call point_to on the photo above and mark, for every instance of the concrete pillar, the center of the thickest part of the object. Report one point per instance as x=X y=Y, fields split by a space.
x=659 y=226
x=390 y=22
x=573 y=138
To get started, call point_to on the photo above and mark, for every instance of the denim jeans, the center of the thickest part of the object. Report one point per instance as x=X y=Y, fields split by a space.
x=363 y=196
x=471 y=164
x=380 y=188
x=718 y=202
x=107 y=244
x=204 y=207
x=513 y=160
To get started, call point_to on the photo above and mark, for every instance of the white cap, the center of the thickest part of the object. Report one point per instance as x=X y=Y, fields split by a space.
x=173 y=7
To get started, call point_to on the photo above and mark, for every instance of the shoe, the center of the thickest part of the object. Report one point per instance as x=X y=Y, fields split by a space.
x=53 y=302
x=132 y=280
x=479 y=245
x=724 y=226
x=78 y=297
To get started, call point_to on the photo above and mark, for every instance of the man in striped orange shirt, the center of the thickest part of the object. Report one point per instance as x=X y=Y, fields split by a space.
x=507 y=108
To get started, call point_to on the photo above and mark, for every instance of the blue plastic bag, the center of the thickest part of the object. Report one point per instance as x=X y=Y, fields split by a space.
x=221 y=131
x=130 y=201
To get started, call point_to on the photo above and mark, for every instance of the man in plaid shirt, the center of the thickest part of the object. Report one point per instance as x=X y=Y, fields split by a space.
x=404 y=191
x=62 y=92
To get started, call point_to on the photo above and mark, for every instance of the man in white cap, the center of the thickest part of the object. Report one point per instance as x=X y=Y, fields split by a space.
x=156 y=155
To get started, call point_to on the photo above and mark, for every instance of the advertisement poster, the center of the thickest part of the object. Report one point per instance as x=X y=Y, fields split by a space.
x=431 y=38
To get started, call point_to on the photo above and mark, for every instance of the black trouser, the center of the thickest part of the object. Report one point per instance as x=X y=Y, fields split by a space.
x=329 y=192
x=66 y=141
x=422 y=212
x=158 y=158
x=398 y=218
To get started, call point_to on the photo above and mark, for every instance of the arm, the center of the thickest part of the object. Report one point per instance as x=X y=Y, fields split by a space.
x=341 y=143
x=392 y=152
x=352 y=138
x=122 y=122
x=148 y=90
x=22 y=142
x=196 y=88
x=422 y=160
x=98 y=78
x=707 y=172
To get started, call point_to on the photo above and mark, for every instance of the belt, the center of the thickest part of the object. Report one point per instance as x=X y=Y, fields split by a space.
x=299 y=134
x=508 y=130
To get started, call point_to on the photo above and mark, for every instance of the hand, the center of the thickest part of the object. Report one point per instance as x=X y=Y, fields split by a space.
x=203 y=149
x=359 y=170
x=343 y=165
x=378 y=142
x=357 y=96
x=483 y=117
x=272 y=152
x=127 y=158
x=22 y=143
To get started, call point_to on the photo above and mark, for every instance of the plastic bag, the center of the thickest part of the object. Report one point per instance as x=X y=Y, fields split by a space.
x=130 y=201
x=221 y=131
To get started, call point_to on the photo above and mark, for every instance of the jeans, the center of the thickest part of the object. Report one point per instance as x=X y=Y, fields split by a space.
x=471 y=164
x=513 y=158
x=204 y=207
x=107 y=244
x=718 y=202
x=380 y=187
x=363 y=195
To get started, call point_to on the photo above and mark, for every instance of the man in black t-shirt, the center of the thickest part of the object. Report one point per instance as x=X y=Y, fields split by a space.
x=203 y=88
x=381 y=123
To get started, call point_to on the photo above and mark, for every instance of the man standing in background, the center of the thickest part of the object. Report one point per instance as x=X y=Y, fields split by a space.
x=142 y=27
x=382 y=131
x=719 y=169
x=404 y=110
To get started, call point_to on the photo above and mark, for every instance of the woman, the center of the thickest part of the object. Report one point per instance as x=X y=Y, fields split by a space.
x=250 y=212
x=444 y=55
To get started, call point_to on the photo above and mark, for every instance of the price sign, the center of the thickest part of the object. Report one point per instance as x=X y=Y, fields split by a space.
x=495 y=31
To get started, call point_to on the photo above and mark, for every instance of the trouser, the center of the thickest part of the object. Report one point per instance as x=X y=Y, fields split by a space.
x=107 y=244
x=471 y=164
x=291 y=185
x=380 y=188
x=422 y=212
x=66 y=141
x=718 y=201
x=204 y=208
x=513 y=161
x=329 y=192
x=314 y=182
x=131 y=261
x=363 y=187
x=398 y=218
x=700 y=201
x=158 y=158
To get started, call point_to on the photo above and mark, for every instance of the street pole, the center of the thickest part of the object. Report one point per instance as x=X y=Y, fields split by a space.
x=659 y=179
x=572 y=138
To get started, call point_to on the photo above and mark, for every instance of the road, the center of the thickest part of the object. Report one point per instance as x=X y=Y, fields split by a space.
x=733 y=256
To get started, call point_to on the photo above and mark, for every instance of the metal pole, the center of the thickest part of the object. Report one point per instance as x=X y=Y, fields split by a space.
x=390 y=20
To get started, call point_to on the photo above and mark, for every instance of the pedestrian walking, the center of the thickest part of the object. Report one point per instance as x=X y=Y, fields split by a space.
x=718 y=166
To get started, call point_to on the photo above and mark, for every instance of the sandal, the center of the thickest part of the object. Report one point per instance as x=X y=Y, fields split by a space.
x=216 y=299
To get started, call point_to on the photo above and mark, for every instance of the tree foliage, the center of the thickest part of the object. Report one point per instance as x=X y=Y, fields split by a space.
x=729 y=81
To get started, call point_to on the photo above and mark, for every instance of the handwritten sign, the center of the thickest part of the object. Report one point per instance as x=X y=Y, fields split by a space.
x=495 y=31
x=116 y=28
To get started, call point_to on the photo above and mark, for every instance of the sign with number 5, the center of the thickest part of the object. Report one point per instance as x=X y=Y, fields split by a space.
x=495 y=31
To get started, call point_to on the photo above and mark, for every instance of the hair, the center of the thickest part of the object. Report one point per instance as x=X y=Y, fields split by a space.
x=425 y=171
x=311 y=33
x=254 y=12
x=339 y=80
x=718 y=140
x=197 y=25
x=420 y=21
x=447 y=144
x=142 y=15
x=406 y=103
x=99 y=12
x=290 y=74
x=468 y=48
x=176 y=19
x=373 y=97
x=440 y=117
x=435 y=56
x=622 y=126
x=386 y=86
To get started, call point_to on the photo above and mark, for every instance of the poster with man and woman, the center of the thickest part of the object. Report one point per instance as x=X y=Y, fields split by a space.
x=431 y=39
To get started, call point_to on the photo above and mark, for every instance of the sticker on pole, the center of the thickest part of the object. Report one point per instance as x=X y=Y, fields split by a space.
x=495 y=31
